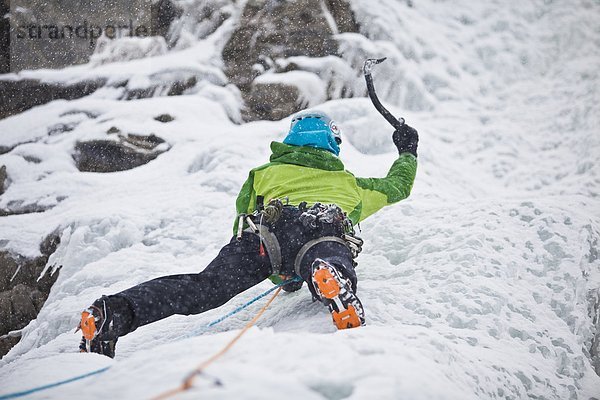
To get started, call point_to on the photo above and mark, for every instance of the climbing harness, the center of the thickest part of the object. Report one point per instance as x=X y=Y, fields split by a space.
x=328 y=214
x=311 y=218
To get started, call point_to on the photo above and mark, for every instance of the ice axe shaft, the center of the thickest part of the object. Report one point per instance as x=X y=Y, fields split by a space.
x=367 y=67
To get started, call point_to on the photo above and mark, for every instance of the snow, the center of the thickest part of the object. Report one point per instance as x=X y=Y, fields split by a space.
x=474 y=287
x=340 y=79
x=123 y=49
x=310 y=87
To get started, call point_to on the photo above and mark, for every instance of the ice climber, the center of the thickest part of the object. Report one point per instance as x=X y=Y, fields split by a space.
x=295 y=218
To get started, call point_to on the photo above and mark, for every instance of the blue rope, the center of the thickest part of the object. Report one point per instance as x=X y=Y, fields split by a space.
x=101 y=370
x=51 y=385
x=243 y=306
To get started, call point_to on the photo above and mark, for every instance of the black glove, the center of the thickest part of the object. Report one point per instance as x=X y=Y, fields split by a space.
x=406 y=140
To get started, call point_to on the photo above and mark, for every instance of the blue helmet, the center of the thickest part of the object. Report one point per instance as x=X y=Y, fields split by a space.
x=314 y=129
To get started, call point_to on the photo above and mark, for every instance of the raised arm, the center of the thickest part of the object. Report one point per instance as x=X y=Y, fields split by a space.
x=377 y=193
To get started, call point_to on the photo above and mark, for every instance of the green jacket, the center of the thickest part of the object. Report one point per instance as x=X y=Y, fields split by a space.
x=314 y=175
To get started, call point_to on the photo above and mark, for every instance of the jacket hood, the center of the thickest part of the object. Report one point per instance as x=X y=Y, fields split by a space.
x=305 y=156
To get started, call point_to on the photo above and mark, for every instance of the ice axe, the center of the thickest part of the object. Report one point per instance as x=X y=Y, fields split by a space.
x=367 y=67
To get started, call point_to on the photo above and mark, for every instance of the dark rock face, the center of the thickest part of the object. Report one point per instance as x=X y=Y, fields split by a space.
x=272 y=101
x=56 y=46
x=594 y=311
x=18 y=207
x=59 y=128
x=164 y=118
x=169 y=88
x=276 y=29
x=179 y=87
x=21 y=294
x=3 y=177
x=4 y=37
x=110 y=156
x=343 y=15
x=271 y=30
x=20 y=95
x=163 y=13
x=17 y=96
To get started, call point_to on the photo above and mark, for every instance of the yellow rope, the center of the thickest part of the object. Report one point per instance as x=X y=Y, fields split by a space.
x=188 y=381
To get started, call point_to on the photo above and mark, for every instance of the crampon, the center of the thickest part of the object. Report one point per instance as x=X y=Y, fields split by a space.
x=336 y=292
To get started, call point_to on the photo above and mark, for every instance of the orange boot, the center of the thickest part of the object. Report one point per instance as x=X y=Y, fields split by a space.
x=92 y=322
x=336 y=292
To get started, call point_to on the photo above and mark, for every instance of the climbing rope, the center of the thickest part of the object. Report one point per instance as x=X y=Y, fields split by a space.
x=243 y=306
x=189 y=380
x=51 y=385
x=195 y=372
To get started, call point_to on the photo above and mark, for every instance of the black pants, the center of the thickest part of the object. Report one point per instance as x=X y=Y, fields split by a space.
x=238 y=266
